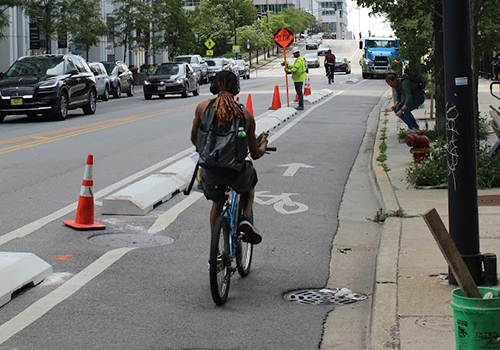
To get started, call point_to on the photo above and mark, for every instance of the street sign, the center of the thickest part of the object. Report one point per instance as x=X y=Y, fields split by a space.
x=209 y=44
x=283 y=37
x=236 y=48
x=210 y=52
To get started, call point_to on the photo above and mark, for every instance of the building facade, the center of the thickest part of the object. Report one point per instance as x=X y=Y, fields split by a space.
x=333 y=15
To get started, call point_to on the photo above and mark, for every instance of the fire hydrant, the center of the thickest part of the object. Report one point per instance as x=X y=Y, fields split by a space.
x=419 y=146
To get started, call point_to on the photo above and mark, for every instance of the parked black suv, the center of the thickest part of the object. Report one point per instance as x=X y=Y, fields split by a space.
x=120 y=78
x=47 y=85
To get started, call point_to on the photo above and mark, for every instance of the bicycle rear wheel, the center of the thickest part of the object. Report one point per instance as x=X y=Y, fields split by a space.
x=244 y=254
x=220 y=275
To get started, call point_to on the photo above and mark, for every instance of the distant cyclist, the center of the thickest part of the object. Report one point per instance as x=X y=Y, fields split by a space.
x=221 y=121
x=329 y=61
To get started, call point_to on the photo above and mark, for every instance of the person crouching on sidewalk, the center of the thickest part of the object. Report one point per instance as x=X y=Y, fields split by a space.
x=409 y=97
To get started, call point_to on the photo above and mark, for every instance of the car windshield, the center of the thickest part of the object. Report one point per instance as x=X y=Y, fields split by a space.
x=187 y=59
x=37 y=66
x=111 y=68
x=168 y=69
x=311 y=41
x=311 y=56
x=381 y=43
x=240 y=63
x=215 y=62
x=339 y=60
x=324 y=47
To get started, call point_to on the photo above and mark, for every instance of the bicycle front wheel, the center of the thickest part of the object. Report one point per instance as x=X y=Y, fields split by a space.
x=220 y=275
x=244 y=253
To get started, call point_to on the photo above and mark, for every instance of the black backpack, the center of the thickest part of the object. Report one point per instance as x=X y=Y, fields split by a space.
x=417 y=80
x=221 y=148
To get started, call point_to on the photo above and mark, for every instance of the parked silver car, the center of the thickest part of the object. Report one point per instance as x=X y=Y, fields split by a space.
x=312 y=60
x=198 y=64
x=243 y=69
x=101 y=79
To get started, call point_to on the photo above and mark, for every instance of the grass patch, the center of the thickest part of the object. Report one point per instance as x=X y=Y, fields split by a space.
x=382 y=215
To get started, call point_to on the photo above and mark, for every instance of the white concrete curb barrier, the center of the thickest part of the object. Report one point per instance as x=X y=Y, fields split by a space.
x=18 y=270
x=317 y=96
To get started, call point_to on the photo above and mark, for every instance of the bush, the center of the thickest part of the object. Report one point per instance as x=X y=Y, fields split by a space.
x=433 y=171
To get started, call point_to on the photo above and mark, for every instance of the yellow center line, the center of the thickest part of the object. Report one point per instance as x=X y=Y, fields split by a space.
x=40 y=139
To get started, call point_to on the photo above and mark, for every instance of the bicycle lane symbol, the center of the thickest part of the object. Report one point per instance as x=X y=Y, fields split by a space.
x=281 y=202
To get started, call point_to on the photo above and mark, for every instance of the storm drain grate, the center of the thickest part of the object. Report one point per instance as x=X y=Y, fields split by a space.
x=336 y=296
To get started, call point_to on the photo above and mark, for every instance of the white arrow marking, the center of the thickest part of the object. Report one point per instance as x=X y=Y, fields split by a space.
x=294 y=167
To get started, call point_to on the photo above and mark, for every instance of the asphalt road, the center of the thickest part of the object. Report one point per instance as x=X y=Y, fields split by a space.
x=107 y=294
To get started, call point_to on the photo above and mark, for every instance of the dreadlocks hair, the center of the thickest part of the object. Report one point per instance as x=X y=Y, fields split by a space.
x=225 y=106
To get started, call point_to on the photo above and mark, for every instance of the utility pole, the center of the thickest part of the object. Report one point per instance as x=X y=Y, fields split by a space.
x=461 y=135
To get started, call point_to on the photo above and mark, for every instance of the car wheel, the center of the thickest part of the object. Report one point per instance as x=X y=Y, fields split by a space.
x=131 y=90
x=147 y=97
x=2 y=117
x=62 y=107
x=196 y=91
x=90 y=108
x=161 y=96
x=118 y=91
x=248 y=75
x=184 y=92
x=105 y=96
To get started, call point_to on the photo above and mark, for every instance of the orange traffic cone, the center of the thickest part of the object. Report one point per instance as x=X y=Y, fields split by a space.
x=84 y=219
x=307 y=87
x=249 y=103
x=296 y=98
x=276 y=99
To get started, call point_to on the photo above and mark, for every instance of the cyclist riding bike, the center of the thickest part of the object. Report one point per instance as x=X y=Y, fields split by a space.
x=329 y=62
x=222 y=121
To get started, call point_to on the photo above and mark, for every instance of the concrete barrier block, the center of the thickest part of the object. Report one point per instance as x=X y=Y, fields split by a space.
x=182 y=169
x=142 y=196
x=312 y=98
x=326 y=92
x=18 y=270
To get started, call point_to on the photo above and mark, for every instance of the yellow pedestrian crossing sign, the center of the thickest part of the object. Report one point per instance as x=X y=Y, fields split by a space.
x=210 y=52
x=209 y=44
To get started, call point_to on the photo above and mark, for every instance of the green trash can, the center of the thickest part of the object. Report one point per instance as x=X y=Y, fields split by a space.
x=477 y=321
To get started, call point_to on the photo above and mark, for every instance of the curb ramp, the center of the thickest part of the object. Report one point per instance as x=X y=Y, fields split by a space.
x=18 y=270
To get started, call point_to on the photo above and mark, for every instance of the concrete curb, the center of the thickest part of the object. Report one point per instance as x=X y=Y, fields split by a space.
x=384 y=328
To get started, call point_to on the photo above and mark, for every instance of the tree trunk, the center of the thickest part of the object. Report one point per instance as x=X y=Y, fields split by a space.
x=125 y=49
x=439 y=68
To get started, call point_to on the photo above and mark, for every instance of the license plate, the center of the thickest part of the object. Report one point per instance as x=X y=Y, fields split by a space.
x=16 y=101
x=162 y=88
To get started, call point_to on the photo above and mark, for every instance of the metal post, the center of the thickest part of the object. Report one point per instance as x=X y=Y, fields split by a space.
x=461 y=135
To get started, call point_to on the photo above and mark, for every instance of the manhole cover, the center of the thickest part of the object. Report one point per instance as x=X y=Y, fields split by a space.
x=336 y=296
x=488 y=200
x=121 y=240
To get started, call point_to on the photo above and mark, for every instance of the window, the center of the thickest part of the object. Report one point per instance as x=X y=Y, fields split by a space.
x=79 y=65
x=69 y=65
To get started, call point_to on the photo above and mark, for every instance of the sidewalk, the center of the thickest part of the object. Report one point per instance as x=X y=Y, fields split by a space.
x=411 y=305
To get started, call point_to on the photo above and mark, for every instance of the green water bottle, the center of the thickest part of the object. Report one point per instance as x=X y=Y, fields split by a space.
x=241 y=133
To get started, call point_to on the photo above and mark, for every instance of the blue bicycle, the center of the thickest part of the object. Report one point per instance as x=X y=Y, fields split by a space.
x=228 y=252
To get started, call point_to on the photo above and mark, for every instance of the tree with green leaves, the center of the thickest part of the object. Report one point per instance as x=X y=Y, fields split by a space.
x=122 y=23
x=84 y=23
x=5 y=5
x=297 y=20
x=255 y=36
x=172 y=27
x=47 y=15
x=211 y=19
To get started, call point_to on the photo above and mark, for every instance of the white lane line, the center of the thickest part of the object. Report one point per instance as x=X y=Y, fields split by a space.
x=44 y=305
x=36 y=225
x=165 y=219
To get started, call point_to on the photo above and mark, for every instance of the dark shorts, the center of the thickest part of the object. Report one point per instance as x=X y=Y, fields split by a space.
x=215 y=182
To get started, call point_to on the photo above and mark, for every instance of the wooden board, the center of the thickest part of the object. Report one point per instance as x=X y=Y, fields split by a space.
x=451 y=254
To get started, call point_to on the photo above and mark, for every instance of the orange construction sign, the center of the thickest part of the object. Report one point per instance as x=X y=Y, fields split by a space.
x=283 y=37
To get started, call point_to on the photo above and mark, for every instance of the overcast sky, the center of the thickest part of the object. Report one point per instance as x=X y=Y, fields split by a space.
x=377 y=25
